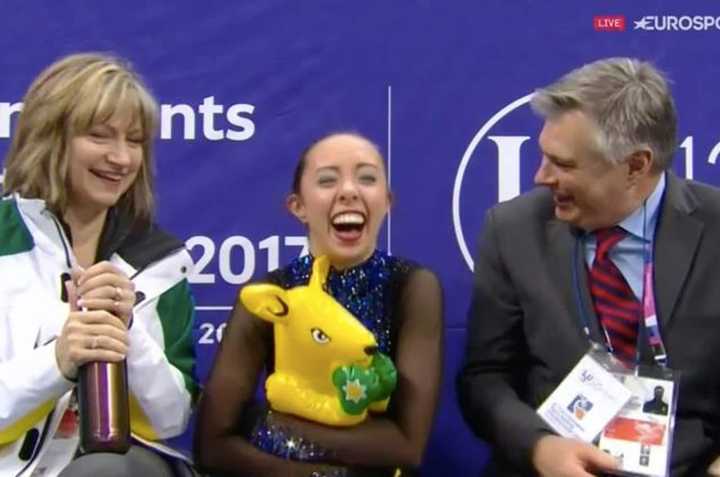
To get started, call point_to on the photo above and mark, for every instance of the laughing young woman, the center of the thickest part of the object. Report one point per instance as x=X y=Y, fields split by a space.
x=76 y=221
x=340 y=193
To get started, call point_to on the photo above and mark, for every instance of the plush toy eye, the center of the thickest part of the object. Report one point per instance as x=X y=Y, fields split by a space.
x=319 y=336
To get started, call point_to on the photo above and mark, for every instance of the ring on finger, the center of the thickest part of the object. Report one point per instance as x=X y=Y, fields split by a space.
x=118 y=294
x=94 y=342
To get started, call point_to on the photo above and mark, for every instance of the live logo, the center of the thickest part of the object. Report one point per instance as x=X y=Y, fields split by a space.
x=609 y=23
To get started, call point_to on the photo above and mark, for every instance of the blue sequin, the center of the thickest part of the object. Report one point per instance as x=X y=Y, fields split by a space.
x=279 y=441
x=368 y=291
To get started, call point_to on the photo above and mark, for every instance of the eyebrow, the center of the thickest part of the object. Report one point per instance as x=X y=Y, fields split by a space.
x=337 y=169
x=367 y=164
x=558 y=159
x=327 y=169
x=133 y=129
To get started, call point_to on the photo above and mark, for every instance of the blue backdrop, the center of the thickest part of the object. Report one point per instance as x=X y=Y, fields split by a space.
x=441 y=86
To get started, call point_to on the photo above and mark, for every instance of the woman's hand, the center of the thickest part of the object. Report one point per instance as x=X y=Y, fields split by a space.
x=87 y=336
x=104 y=287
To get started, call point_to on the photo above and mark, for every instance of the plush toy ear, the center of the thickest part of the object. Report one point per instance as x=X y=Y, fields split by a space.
x=266 y=301
x=321 y=266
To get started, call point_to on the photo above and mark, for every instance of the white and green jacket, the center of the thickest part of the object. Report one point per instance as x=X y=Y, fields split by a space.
x=34 y=255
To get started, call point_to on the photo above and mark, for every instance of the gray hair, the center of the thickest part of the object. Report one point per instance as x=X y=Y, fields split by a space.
x=628 y=99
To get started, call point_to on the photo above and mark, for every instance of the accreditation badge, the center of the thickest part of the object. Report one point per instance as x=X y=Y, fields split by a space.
x=588 y=398
x=640 y=436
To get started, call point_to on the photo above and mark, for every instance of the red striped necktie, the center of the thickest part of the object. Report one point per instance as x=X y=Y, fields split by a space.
x=615 y=303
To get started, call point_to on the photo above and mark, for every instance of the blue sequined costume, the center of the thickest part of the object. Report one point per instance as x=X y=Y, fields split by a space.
x=370 y=291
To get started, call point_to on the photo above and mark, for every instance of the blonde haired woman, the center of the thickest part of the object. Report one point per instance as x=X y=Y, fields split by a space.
x=76 y=220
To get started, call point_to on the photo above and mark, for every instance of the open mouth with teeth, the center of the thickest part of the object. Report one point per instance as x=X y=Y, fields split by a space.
x=107 y=175
x=348 y=226
x=563 y=200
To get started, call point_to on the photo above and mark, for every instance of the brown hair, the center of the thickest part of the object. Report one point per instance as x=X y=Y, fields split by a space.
x=302 y=160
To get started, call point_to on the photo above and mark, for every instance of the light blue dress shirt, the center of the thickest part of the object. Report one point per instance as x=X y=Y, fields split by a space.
x=627 y=254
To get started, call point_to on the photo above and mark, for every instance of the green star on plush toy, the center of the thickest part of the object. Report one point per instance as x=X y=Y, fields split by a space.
x=359 y=386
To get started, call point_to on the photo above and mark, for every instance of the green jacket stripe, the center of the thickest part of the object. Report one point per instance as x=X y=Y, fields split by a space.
x=14 y=235
x=176 y=309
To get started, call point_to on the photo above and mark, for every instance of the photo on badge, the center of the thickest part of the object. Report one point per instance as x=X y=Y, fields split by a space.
x=642 y=430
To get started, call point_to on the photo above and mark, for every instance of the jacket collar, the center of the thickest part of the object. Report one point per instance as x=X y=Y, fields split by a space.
x=138 y=243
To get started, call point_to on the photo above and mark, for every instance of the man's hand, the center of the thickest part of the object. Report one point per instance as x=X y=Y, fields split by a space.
x=714 y=469
x=555 y=456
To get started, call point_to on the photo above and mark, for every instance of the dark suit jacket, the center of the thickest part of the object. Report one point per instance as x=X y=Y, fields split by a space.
x=525 y=332
x=656 y=406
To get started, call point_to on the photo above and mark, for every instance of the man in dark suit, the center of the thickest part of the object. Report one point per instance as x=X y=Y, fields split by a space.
x=656 y=405
x=607 y=146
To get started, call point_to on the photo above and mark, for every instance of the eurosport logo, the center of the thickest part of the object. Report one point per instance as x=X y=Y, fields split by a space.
x=496 y=146
x=677 y=23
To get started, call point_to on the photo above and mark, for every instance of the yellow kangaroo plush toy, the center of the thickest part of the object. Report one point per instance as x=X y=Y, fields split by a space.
x=327 y=367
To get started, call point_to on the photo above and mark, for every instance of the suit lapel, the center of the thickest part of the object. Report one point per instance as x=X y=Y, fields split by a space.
x=676 y=242
x=567 y=266
x=677 y=238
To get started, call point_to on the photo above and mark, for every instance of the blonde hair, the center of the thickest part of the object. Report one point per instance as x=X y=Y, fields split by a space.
x=65 y=100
